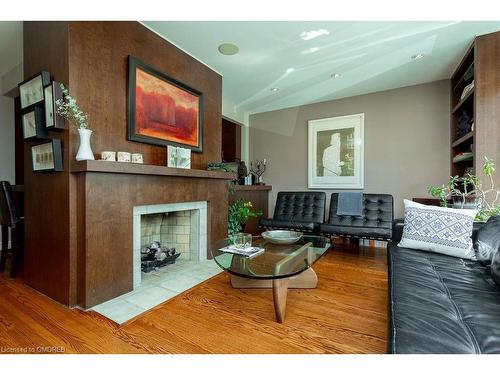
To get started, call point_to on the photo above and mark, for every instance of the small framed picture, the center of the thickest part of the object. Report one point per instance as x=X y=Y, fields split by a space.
x=178 y=157
x=34 y=124
x=47 y=156
x=52 y=93
x=31 y=91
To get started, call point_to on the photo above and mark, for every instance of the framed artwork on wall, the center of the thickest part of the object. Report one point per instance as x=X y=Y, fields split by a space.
x=161 y=110
x=336 y=152
x=33 y=123
x=47 y=156
x=31 y=90
x=52 y=93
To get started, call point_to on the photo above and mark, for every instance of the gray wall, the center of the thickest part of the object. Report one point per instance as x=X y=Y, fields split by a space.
x=406 y=141
x=7 y=160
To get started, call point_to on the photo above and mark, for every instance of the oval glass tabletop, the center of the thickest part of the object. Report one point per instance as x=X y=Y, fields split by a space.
x=277 y=261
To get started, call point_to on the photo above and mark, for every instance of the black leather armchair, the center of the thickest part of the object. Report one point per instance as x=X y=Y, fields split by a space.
x=376 y=222
x=300 y=211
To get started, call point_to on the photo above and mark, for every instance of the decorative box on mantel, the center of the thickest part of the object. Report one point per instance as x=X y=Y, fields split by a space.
x=107 y=193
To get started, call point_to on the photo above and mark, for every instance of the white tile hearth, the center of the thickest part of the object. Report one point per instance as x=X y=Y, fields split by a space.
x=157 y=287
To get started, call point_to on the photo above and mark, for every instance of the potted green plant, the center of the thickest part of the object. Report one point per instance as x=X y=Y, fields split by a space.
x=239 y=212
x=468 y=192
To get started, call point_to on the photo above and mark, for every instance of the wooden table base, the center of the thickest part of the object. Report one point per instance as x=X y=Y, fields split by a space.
x=305 y=280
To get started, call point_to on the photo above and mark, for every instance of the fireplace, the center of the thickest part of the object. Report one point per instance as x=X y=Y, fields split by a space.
x=182 y=226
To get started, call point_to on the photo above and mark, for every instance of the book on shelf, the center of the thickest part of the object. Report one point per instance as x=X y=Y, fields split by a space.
x=463 y=156
x=248 y=252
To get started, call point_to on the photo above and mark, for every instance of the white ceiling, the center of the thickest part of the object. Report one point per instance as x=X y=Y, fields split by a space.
x=370 y=56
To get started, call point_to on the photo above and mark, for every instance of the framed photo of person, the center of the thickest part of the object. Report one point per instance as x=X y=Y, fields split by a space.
x=336 y=152
x=31 y=91
x=47 y=156
x=161 y=110
x=52 y=93
x=33 y=123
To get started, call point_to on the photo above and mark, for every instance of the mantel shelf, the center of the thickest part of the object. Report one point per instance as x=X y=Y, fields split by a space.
x=253 y=187
x=101 y=166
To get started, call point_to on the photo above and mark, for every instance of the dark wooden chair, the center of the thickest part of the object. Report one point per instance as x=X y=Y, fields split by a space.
x=10 y=218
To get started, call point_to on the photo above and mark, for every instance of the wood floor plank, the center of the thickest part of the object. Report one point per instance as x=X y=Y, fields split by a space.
x=346 y=313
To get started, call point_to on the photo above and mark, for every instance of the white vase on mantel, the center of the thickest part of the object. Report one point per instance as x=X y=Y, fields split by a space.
x=84 y=151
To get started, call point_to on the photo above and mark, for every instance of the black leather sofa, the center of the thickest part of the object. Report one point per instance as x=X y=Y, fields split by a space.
x=300 y=211
x=376 y=222
x=443 y=304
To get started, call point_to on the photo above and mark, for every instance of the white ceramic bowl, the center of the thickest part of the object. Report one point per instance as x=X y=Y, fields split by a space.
x=281 y=237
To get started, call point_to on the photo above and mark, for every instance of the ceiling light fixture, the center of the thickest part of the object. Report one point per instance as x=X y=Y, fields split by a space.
x=228 y=49
x=308 y=35
x=336 y=75
x=290 y=70
x=418 y=56
x=275 y=89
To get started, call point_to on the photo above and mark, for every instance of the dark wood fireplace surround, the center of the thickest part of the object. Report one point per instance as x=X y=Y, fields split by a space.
x=78 y=246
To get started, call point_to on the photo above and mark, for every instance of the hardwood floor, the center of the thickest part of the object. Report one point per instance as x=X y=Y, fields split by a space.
x=346 y=313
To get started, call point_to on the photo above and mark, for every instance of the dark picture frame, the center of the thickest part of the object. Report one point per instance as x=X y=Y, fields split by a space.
x=33 y=124
x=47 y=156
x=31 y=90
x=175 y=127
x=52 y=93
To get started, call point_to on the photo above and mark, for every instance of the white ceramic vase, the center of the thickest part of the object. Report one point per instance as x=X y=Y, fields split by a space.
x=85 y=151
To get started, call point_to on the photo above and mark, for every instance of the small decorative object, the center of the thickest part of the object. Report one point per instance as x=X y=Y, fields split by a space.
x=178 y=157
x=466 y=90
x=464 y=124
x=47 y=156
x=108 y=155
x=137 y=158
x=335 y=152
x=162 y=110
x=124 y=157
x=52 y=94
x=218 y=166
x=281 y=237
x=33 y=124
x=239 y=212
x=31 y=91
x=68 y=109
x=468 y=192
x=240 y=240
x=258 y=170
x=242 y=172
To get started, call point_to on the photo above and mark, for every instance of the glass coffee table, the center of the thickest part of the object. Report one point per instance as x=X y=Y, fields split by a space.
x=280 y=267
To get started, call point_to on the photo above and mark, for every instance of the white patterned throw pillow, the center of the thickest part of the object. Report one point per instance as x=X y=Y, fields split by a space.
x=439 y=229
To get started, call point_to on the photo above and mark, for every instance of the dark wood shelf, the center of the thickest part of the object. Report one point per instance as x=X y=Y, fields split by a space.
x=465 y=160
x=101 y=166
x=461 y=102
x=253 y=187
x=463 y=139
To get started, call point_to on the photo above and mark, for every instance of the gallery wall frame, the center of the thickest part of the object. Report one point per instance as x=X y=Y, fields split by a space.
x=33 y=123
x=31 y=90
x=52 y=93
x=47 y=156
x=162 y=111
x=336 y=152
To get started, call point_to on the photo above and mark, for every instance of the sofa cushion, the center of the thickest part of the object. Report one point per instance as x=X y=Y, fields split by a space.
x=441 y=304
x=439 y=229
x=488 y=240
x=285 y=224
x=357 y=231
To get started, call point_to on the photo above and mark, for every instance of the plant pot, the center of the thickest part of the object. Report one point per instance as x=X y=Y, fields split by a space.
x=85 y=151
x=470 y=202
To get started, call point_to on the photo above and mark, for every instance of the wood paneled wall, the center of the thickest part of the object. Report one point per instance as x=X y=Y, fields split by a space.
x=91 y=58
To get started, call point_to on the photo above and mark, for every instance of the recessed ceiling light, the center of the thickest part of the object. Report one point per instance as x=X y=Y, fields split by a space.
x=336 y=75
x=308 y=35
x=275 y=89
x=417 y=56
x=309 y=50
x=228 y=49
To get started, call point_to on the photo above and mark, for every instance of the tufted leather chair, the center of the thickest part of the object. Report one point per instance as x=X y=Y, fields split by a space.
x=9 y=218
x=376 y=222
x=301 y=211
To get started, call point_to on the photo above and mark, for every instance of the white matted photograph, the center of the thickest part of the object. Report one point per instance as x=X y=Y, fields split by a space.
x=335 y=152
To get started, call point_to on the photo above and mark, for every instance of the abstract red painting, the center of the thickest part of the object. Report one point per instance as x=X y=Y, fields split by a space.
x=162 y=110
